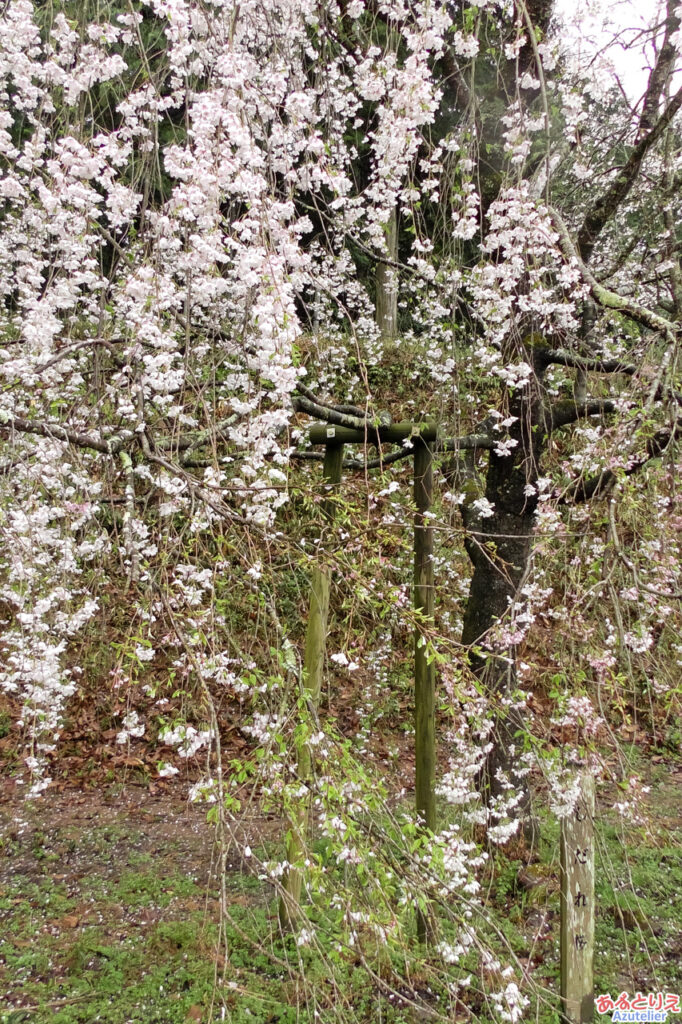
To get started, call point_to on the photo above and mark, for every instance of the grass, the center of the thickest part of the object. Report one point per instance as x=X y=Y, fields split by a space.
x=93 y=957
x=142 y=948
x=129 y=933
x=638 y=896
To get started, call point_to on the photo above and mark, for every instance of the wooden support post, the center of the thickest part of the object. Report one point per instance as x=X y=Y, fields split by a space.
x=424 y=673
x=313 y=668
x=387 y=284
x=577 y=908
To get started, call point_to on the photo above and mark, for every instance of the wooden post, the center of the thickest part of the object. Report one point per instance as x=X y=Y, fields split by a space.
x=577 y=908
x=424 y=673
x=387 y=284
x=313 y=668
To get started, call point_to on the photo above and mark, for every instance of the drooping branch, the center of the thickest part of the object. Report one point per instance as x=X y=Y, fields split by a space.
x=599 y=485
x=629 y=564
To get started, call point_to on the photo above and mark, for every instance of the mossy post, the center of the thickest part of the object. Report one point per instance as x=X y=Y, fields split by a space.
x=577 y=908
x=424 y=672
x=313 y=668
x=387 y=284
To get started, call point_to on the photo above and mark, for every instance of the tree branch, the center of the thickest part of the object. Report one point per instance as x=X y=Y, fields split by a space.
x=350 y=410
x=88 y=343
x=628 y=563
x=108 y=446
x=562 y=413
x=599 y=485
x=660 y=73
x=560 y=357
x=191 y=442
x=329 y=415
x=604 y=208
x=606 y=272
x=606 y=298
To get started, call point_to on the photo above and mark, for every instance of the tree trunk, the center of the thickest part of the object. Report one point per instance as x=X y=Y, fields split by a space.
x=500 y=547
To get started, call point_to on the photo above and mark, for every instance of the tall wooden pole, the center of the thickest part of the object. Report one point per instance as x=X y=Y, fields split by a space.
x=313 y=669
x=424 y=673
x=387 y=284
x=577 y=908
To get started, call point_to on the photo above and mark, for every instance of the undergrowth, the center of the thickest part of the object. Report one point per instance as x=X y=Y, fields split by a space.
x=133 y=938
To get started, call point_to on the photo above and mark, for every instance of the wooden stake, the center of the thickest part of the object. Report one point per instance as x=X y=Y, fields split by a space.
x=424 y=673
x=313 y=669
x=577 y=908
x=387 y=284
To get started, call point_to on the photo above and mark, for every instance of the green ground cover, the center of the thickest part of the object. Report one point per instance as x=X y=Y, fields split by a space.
x=115 y=918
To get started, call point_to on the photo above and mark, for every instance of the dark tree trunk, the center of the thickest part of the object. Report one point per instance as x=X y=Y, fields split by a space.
x=500 y=547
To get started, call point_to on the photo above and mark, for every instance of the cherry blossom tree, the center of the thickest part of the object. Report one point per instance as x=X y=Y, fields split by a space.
x=222 y=221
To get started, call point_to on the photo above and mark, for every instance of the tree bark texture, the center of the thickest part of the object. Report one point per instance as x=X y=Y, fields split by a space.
x=500 y=547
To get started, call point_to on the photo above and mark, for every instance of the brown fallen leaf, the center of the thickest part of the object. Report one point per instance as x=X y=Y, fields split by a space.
x=195 y=1013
